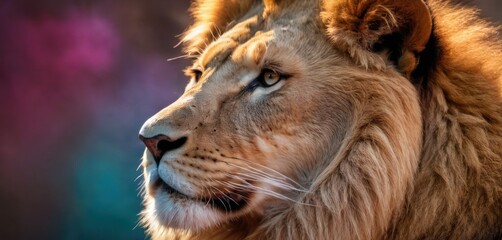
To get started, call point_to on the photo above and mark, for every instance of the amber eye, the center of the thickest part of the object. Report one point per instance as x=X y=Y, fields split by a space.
x=269 y=78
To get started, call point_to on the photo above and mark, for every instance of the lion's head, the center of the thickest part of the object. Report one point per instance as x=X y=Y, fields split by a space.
x=302 y=108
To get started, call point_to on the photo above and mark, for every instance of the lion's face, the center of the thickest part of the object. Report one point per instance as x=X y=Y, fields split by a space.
x=267 y=106
x=252 y=120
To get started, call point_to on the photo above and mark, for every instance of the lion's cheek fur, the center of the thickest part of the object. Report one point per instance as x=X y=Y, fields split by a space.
x=363 y=185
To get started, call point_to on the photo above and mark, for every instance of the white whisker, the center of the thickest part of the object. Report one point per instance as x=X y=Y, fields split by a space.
x=136 y=179
x=272 y=179
x=270 y=169
x=266 y=191
x=178 y=57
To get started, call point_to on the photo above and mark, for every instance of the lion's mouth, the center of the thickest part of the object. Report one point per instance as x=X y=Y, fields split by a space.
x=228 y=202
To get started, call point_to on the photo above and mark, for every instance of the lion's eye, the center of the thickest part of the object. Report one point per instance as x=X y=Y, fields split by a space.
x=269 y=78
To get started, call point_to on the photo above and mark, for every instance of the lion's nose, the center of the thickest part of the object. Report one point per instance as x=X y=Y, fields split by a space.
x=160 y=144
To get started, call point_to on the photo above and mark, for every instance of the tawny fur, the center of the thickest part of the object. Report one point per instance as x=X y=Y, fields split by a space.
x=418 y=145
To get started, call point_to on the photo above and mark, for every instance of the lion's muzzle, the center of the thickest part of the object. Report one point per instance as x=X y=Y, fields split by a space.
x=160 y=144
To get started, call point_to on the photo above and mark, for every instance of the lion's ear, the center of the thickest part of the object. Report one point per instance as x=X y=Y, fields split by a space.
x=371 y=30
x=211 y=17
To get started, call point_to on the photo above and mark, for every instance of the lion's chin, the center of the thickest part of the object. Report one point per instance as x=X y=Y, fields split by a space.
x=227 y=202
x=168 y=208
x=179 y=214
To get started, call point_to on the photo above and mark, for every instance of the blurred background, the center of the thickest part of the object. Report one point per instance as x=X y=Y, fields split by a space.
x=77 y=80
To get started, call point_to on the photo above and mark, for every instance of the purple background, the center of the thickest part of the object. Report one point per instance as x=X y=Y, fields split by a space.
x=77 y=80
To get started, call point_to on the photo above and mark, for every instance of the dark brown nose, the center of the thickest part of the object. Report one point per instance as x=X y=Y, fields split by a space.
x=160 y=144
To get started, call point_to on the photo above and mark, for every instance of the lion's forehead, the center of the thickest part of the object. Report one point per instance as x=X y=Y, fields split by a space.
x=219 y=50
x=246 y=43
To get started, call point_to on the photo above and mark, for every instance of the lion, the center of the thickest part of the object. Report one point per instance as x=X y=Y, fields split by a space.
x=330 y=119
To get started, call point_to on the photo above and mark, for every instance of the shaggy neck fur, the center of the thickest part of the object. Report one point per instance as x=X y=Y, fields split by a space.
x=458 y=186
